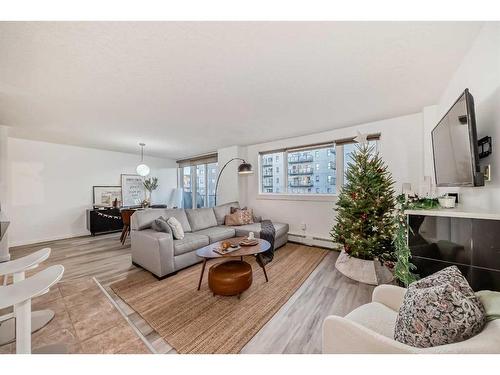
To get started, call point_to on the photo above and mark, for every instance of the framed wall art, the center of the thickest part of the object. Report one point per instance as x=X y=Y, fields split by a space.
x=133 y=191
x=104 y=196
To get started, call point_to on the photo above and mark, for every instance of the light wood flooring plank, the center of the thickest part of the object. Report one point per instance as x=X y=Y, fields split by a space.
x=295 y=328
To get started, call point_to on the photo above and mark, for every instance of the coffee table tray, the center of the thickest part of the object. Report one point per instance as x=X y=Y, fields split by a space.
x=227 y=251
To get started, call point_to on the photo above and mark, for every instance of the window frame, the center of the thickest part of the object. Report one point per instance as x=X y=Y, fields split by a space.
x=339 y=171
x=193 y=165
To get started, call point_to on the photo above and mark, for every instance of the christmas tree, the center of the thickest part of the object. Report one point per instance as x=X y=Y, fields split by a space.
x=365 y=224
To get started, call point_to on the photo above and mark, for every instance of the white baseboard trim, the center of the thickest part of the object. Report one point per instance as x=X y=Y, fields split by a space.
x=47 y=239
x=311 y=240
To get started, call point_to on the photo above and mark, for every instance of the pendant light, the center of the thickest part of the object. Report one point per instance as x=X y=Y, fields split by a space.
x=142 y=169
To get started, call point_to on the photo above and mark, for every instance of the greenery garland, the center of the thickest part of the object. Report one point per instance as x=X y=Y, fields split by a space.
x=403 y=267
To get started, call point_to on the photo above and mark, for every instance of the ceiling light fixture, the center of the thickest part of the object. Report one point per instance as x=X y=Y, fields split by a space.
x=142 y=169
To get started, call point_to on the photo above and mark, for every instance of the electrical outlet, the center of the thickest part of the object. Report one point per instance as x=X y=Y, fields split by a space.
x=487 y=172
x=303 y=226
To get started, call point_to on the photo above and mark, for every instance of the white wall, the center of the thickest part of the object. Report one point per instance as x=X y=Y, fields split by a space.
x=480 y=72
x=51 y=186
x=400 y=146
x=4 y=248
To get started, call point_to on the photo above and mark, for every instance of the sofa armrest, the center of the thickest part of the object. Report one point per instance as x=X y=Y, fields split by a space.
x=343 y=336
x=389 y=295
x=153 y=251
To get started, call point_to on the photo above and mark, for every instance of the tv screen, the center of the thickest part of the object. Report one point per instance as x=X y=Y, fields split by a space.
x=454 y=144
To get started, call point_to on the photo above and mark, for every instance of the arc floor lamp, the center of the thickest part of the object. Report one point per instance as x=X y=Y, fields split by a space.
x=243 y=169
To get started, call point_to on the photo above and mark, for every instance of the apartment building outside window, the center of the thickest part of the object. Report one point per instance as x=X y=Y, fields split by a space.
x=309 y=169
x=197 y=178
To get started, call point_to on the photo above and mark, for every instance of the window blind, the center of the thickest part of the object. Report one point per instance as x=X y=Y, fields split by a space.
x=197 y=160
x=337 y=142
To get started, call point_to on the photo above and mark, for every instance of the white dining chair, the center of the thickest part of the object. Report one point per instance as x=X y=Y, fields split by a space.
x=19 y=296
x=17 y=269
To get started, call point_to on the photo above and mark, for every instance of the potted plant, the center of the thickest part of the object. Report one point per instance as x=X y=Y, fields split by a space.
x=150 y=184
x=365 y=223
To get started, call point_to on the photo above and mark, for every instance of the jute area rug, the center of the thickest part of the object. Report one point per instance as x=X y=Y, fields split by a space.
x=193 y=321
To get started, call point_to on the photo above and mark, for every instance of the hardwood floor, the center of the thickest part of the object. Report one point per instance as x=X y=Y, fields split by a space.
x=296 y=328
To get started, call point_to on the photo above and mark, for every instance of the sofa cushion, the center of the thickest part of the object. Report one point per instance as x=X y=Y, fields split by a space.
x=161 y=225
x=439 y=309
x=190 y=242
x=243 y=230
x=217 y=233
x=176 y=228
x=142 y=219
x=223 y=210
x=201 y=218
x=375 y=316
x=180 y=215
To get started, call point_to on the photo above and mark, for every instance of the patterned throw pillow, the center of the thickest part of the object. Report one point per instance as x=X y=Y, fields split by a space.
x=176 y=227
x=239 y=217
x=439 y=309
x=161 y=225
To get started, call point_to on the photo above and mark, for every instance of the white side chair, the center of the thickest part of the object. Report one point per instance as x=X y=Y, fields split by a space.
x=369 y=329
x=17 y=268
x=19 y=296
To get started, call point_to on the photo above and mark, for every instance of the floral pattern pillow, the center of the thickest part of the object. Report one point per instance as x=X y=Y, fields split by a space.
x=439 y=309
x=239 y=217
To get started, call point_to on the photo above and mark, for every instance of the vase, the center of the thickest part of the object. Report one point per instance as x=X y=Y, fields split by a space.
x=365 y=271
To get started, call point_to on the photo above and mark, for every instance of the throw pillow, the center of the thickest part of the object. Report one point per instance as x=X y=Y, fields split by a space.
x=240 y=217
x=161 y=225
x=439 y=309
x=234 y=209
x=255 y=219
x=176 y=228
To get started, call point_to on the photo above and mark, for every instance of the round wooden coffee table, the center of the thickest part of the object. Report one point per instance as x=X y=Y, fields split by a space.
x=208 y=252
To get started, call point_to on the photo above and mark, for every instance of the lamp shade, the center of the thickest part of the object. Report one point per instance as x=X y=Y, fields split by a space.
x=245 y=168
x=142 y=170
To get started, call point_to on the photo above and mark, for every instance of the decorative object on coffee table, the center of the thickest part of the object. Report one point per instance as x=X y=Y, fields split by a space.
x=230 y=278
x=243 y=169
x=208 y=252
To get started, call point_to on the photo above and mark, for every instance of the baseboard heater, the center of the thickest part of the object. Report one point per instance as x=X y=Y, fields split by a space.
x=311 y=240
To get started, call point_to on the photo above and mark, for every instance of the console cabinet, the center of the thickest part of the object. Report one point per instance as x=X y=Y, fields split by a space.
x=100 y=221
x=471 y=242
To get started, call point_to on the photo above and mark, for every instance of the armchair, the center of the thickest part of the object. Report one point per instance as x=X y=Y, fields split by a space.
x=370 y=329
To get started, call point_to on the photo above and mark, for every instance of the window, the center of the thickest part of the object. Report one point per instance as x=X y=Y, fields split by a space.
x=187 y=189
x=315 y=169
x=348 y=150
x=197 y=179
x=270 y=173
x=211 y=180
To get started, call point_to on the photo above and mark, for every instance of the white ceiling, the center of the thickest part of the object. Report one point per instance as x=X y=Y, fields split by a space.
x=187 y=88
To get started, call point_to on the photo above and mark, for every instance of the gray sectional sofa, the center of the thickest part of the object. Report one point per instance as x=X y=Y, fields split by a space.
x=162 y=255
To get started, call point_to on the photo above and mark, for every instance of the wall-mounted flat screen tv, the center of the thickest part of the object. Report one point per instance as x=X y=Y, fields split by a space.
x=454 y=144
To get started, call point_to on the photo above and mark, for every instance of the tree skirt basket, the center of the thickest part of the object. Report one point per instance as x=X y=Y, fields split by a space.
x=365 y=271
